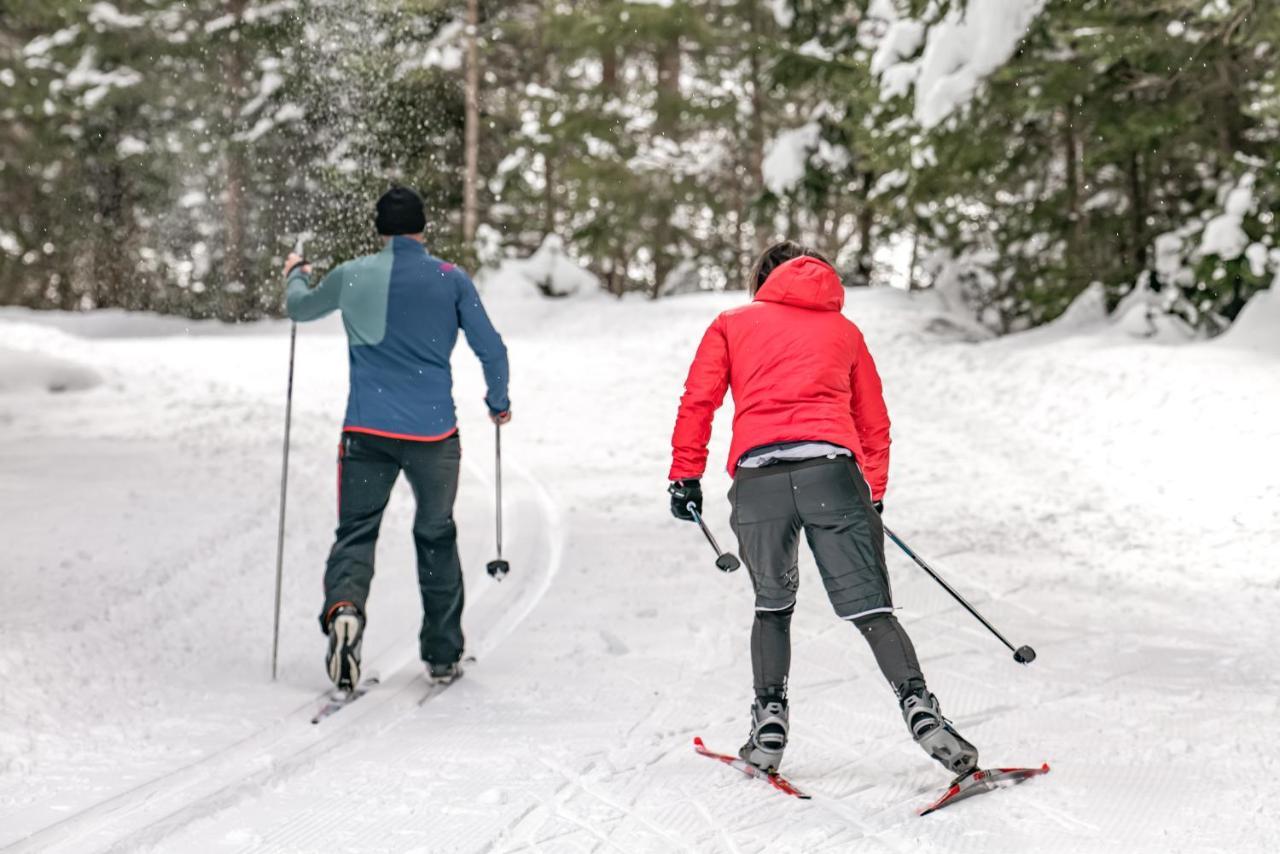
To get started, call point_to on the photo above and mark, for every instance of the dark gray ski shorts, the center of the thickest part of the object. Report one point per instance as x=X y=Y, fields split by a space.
x=830 y=501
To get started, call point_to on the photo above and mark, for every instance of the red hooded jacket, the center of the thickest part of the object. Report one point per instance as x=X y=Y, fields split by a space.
x=799 y=370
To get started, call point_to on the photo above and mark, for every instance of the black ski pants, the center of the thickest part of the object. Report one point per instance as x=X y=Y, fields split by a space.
x=368 y=466
x=829 y=500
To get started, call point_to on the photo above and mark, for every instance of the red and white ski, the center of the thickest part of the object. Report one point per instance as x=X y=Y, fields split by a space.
x=778 y=782
x=978 y=782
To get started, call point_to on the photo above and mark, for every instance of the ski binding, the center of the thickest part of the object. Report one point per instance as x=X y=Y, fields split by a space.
x=776 y=780
x=980 y=781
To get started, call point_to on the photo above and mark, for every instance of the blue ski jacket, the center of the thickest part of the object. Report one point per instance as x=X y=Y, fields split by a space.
x=402 y=309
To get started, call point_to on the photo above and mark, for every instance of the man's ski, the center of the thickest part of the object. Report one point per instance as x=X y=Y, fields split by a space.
x=978 y=782
x=339 y=700
x=778 y=782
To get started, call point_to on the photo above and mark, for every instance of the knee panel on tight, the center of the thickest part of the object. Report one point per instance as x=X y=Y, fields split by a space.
x=779 y=619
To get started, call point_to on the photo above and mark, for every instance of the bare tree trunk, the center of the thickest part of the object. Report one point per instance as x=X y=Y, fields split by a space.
x=235 y=213
x=548 y=196
x=1076 y=249
x=470 y=213
x=668 y=124
x=915 y=257
x=866 y=222
x=1138 y=218
x=756 y=128
x=609 y=68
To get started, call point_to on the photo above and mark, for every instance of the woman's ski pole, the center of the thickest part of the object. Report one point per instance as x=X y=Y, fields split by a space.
x=284 y=494
x=725 y=562
x=1022 y=655
x=498 y=568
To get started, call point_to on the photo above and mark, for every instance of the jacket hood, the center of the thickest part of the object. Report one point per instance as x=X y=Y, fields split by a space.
x=805 y=282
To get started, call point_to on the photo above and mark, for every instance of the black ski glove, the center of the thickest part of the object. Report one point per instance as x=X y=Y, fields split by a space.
x=683 y=492
x=879 y=505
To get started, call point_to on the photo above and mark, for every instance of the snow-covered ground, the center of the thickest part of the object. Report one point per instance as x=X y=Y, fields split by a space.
x=1114 y=503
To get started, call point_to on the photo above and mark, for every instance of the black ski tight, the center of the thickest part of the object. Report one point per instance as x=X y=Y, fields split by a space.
x=771 y=651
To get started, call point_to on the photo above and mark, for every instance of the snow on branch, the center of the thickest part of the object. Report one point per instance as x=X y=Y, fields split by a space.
x=959 y=51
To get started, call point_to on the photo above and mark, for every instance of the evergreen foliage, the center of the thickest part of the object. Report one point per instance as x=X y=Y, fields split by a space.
x=157 y=154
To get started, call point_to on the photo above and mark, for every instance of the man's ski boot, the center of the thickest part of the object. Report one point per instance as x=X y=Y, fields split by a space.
x=443 y=674
x=346 y=633
x=769 y=726
x=935 y=733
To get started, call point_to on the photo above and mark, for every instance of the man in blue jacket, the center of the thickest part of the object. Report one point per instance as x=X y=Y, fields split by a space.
x=402 y=309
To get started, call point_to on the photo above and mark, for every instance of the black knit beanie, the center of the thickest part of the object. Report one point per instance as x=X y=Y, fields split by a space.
x=400 y=211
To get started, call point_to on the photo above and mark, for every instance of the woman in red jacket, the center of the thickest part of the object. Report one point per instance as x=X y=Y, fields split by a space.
x=810 y=453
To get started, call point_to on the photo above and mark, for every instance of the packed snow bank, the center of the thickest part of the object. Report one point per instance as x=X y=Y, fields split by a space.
x=23 y=371
x=549 y=272
x=1257 y=327
x=119 y=323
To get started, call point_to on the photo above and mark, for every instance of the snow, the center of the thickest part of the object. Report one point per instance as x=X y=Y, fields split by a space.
x=1102 y=498
x=787 y=155
x=106 y=15
x=960 y=51
x=443 y=51
x=901 y=41
x=549 y=270
x=41 y=45
x=26 y=372
x=268 y=84
x=128 y=146
x=1224 y=235
x=1257 y=327
x=97 y=83
x=783 y=13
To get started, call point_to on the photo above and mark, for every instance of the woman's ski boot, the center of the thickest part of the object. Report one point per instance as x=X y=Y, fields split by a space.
x=935 y=734
x=769 y=725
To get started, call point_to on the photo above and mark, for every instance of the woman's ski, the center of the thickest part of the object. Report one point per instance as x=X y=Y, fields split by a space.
x=778 y=782
x=978 y=782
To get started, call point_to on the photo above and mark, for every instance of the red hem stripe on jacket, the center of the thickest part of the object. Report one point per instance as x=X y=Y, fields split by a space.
x=387 y=435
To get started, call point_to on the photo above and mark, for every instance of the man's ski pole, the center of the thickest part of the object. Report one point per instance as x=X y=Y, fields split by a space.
x=284 y=494
x=284 y=466
x=1022 y=655
x=498 y=568
x=725 y=561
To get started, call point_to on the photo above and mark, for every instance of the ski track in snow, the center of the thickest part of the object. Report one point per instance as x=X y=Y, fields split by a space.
x=1061 y=482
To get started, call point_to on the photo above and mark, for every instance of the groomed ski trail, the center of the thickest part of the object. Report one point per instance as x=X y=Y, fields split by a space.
x=145 y=815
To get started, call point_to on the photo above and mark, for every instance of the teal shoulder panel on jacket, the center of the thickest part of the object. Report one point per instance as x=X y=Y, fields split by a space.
x=366 y=283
